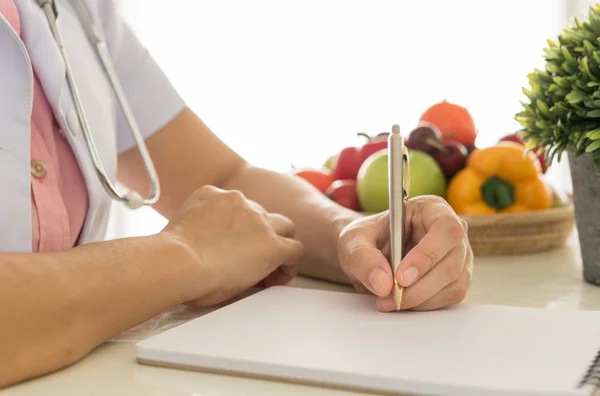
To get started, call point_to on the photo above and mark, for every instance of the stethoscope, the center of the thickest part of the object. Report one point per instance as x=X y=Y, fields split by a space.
x=131 y=198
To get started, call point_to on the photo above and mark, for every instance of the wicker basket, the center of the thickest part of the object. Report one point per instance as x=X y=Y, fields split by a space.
x=522 y=232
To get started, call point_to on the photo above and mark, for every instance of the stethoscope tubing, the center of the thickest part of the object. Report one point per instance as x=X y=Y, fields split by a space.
x=131 y=198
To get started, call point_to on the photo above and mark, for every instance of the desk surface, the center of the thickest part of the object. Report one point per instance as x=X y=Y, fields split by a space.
x=550 y=280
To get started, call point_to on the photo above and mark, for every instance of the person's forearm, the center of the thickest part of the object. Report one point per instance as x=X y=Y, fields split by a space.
x=318 y=220
x=187 y=155
x=56 y=307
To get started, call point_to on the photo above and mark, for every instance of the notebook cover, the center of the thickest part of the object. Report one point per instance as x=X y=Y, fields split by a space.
x=340 y=340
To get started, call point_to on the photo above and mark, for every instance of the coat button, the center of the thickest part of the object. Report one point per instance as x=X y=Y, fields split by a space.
x=73 y=122
x=39 y=169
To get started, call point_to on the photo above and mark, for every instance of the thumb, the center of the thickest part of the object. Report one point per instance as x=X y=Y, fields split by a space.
x=361 y=258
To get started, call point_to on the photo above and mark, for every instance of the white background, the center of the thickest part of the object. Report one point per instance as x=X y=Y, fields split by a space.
x=291 y=82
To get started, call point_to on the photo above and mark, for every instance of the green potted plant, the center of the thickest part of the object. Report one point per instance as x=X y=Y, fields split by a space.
x=562 y=116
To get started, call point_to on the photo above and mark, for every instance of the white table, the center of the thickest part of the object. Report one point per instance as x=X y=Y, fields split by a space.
x=550 y=280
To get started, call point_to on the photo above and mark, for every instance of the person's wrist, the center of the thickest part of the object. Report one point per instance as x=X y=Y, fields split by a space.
x=340 y=220
x=186 y=256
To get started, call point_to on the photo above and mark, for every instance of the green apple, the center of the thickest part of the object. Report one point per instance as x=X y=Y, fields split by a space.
x=426 y=178
x=426 y=175
x=329 y=164
x=372 y=183
x=558 y=201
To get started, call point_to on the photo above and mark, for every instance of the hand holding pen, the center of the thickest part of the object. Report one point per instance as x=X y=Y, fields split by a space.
x=416 y=255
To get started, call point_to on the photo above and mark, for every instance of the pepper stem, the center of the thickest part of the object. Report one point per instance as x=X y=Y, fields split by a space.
x=498 y=193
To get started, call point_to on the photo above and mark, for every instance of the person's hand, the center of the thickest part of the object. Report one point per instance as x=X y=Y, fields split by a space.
x=235 y=243
x=436 y=271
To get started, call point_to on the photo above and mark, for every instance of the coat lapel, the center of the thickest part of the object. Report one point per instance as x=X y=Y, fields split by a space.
x=44 y=53
x=16 y=96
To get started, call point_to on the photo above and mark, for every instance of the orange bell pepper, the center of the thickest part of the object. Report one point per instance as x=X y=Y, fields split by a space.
x=499 y=179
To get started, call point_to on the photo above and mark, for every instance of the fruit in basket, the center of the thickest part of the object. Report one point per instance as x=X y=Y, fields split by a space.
x=373 y=145
x=426 y=138
x=319 y=179
x=470 y=148
x=329 y=163
x=450 y=155
x=454 y=122
x=347 y=164
x=372 y=183
x=344 y=193
x=452 y=158
x=426 y=178
x=350 y=159
x=513 y=137
x=426 y=175
x=499 y=179
x=538 y=151
x=559 y=199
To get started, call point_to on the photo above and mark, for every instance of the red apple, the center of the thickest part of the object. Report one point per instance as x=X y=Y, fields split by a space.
x=513 y=137
x=426 y=138
x=344 y=193
x=452 y=158
x=470 y=148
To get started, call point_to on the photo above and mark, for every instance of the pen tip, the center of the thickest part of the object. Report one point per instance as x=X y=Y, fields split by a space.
x=395 y=129
x=398 y=295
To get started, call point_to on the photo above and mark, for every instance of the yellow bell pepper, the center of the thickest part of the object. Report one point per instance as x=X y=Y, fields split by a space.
x=499 y=179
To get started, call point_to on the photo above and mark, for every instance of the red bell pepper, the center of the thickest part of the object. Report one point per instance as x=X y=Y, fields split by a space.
x=350 y=159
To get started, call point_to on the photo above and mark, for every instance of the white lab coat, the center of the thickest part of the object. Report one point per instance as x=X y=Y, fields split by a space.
x=152 y=98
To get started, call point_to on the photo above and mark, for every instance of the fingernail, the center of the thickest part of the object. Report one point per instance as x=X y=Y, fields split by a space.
x=378 y=278
x=409 y=276
x=387 y=305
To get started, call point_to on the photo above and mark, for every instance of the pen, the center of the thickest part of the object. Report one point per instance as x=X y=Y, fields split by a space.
x=398 y=192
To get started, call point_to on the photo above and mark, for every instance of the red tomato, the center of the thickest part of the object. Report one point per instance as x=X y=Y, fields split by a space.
x=319 y=179
x=344 y=193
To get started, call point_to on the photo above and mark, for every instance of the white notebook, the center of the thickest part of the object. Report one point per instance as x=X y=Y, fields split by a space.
x=341 y=340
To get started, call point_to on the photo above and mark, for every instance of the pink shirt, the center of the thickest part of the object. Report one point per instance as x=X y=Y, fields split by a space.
x=59 y=197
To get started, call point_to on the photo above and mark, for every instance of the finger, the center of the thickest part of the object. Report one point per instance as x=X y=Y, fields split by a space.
x=360 y=288
x=291 y=251
x=452 y=294
x=280 y=277
x=256 y=206
x=443 y=235
x=386 y=304
x=207 y=191
x=281 y=224
x=289 y=270
x=359 y=255
x=446 y=272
